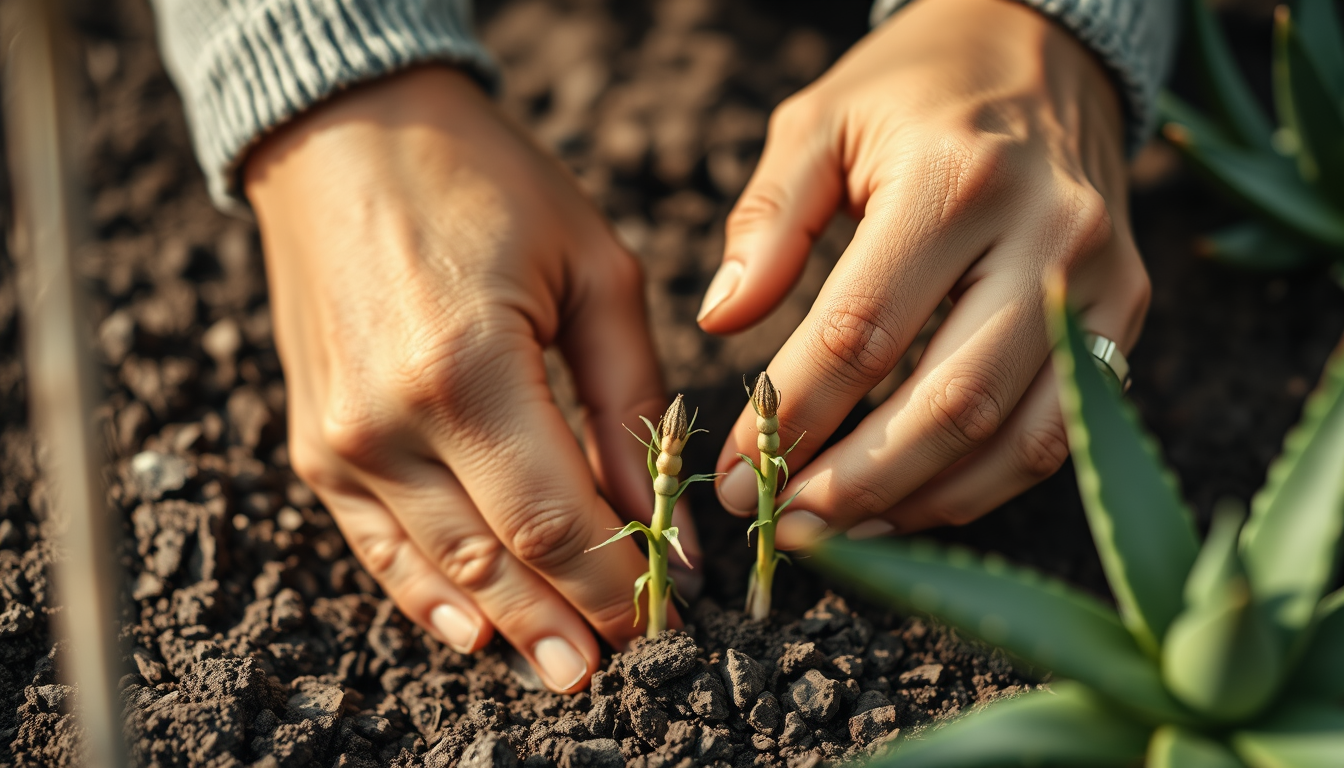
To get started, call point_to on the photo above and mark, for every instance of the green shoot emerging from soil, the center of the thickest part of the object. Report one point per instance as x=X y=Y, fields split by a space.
x=765 y=401
x=664 y=446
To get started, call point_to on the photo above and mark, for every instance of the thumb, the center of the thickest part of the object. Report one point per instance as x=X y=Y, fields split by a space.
x=790 y=198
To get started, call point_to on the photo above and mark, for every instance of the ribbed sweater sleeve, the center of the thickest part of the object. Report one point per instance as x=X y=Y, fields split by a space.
x=244 y=67
x=1136 y=39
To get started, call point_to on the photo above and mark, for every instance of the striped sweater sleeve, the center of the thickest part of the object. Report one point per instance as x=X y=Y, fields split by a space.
x=244 y=67
x=1136 y=39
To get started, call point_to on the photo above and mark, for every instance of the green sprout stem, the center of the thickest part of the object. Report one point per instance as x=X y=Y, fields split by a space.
x=767 y=482
x=660 y=585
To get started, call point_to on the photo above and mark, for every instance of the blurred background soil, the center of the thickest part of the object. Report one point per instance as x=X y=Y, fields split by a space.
x=250 y=632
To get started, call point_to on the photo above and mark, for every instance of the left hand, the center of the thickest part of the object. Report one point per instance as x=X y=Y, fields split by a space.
x=983 y=147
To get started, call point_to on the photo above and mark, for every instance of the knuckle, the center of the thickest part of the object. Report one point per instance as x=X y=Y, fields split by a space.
x=867 y=495
x=472 y=562
x=354 y=432
x=311 y=465
x=763 y=202
x=856 y=342
x=799 y=113
x=1088 y=226
x=383 y=555
x=1043 y=450
x=625 y=275
x=968 y=170
x=548 y=536
x=967 y=409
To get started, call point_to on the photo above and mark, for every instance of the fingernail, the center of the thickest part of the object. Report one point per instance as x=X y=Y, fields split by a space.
x=457 y=628
x=720 y=288
x=870 y=529
x=799 y=529
x=560 y=663
x=737 y=492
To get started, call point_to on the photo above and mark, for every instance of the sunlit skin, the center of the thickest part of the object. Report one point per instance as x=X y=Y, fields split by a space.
x=422 y=252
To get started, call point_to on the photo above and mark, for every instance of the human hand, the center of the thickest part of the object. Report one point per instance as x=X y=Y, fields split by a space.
x=983 y=147
x=421 y=254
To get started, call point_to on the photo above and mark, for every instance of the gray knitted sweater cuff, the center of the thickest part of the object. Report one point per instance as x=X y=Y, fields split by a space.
x=246 y=66
x=1136 y=39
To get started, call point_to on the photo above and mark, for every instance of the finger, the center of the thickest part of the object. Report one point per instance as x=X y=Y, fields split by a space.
x=512 y=451
x=445 y=526
x=858 y=329
x=976 y=368
x=788 y=201
x=609 y=351
x=1031 y=447
x=422 y=593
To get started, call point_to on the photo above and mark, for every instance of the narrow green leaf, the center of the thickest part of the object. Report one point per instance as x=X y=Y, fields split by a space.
x=703 y=478
x=1039 y=620
x=1258 y=247
x=1265 y=181
x=672 y=590
x=1291 y=543
x=1304 y=736
x=750 y=463
x=1231 y=97
x=1320 y=671
x=780 y=509
x=1173 y=747
x=781 y=557
x=1309 y=109
x=783 y=466
x=755 y=525
x=653 y=470
x=639 y=588
x=654 y=438
x=630 y=527
x=1143 y=531
x=671 y=535
x=795 y=445
x=1068 y=726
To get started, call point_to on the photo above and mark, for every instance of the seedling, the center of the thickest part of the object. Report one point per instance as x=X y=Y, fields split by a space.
x=665 y=442
x=765 y=401
x=1218 y=657
x=1292 y=177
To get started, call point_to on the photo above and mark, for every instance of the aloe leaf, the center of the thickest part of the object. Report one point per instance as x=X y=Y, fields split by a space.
x=1039 y=620
x=1257 y=247
x=1303 y=736
x=1173 y=747
x=639 y=589
x=671 y=535
x=1318 y=25
x=630 y=527
x=1309 y=109
x=1066 y=726
x=1143 y=531
x=1231 y=97
x=1265 y=181
x=1222 y=657
x=1292 y=539
x=1321 y=669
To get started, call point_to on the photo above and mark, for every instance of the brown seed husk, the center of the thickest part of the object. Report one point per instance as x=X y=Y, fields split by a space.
x=765 y=397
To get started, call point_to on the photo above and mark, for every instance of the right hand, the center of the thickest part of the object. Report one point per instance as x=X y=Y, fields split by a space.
x=421 y=254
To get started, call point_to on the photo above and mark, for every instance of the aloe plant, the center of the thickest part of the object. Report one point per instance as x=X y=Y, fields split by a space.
x=765 y=402
x=1291 y=177
x=664 y=447
x=1220 y=655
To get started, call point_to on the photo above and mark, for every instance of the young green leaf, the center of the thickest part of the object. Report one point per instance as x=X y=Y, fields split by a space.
x=1303 y=736
x=650 y=450
x=1143 y=531
x=783 y=466
x=754 y=526
x=1231 y=98
x=1037 y=619
x=630 y=527
x=671 y=535
x=795 y=445
x=1173 y=747
x=1258 y=247
x=1291 y=543
x=639 y=589
x=1065 y=726
x=1310 y=109
x=787 y=502
x=672 y=590
x=1265 y=181
x=1320 y=671
x=704 y=478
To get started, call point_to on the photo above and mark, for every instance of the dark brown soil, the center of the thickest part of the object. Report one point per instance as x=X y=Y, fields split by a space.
x=252 y=636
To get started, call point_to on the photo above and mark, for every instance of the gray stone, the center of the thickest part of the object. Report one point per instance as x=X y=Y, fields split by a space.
x=594 y=753
x=815 y=697
x=155 y=474
x=766 y=715
x=488 y=751
x=743 y=676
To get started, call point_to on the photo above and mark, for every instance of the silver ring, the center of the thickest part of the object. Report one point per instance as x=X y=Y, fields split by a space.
x=1109 y=358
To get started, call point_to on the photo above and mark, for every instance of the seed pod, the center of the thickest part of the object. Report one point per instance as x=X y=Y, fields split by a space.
x=673 y=428
x=765 y=397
